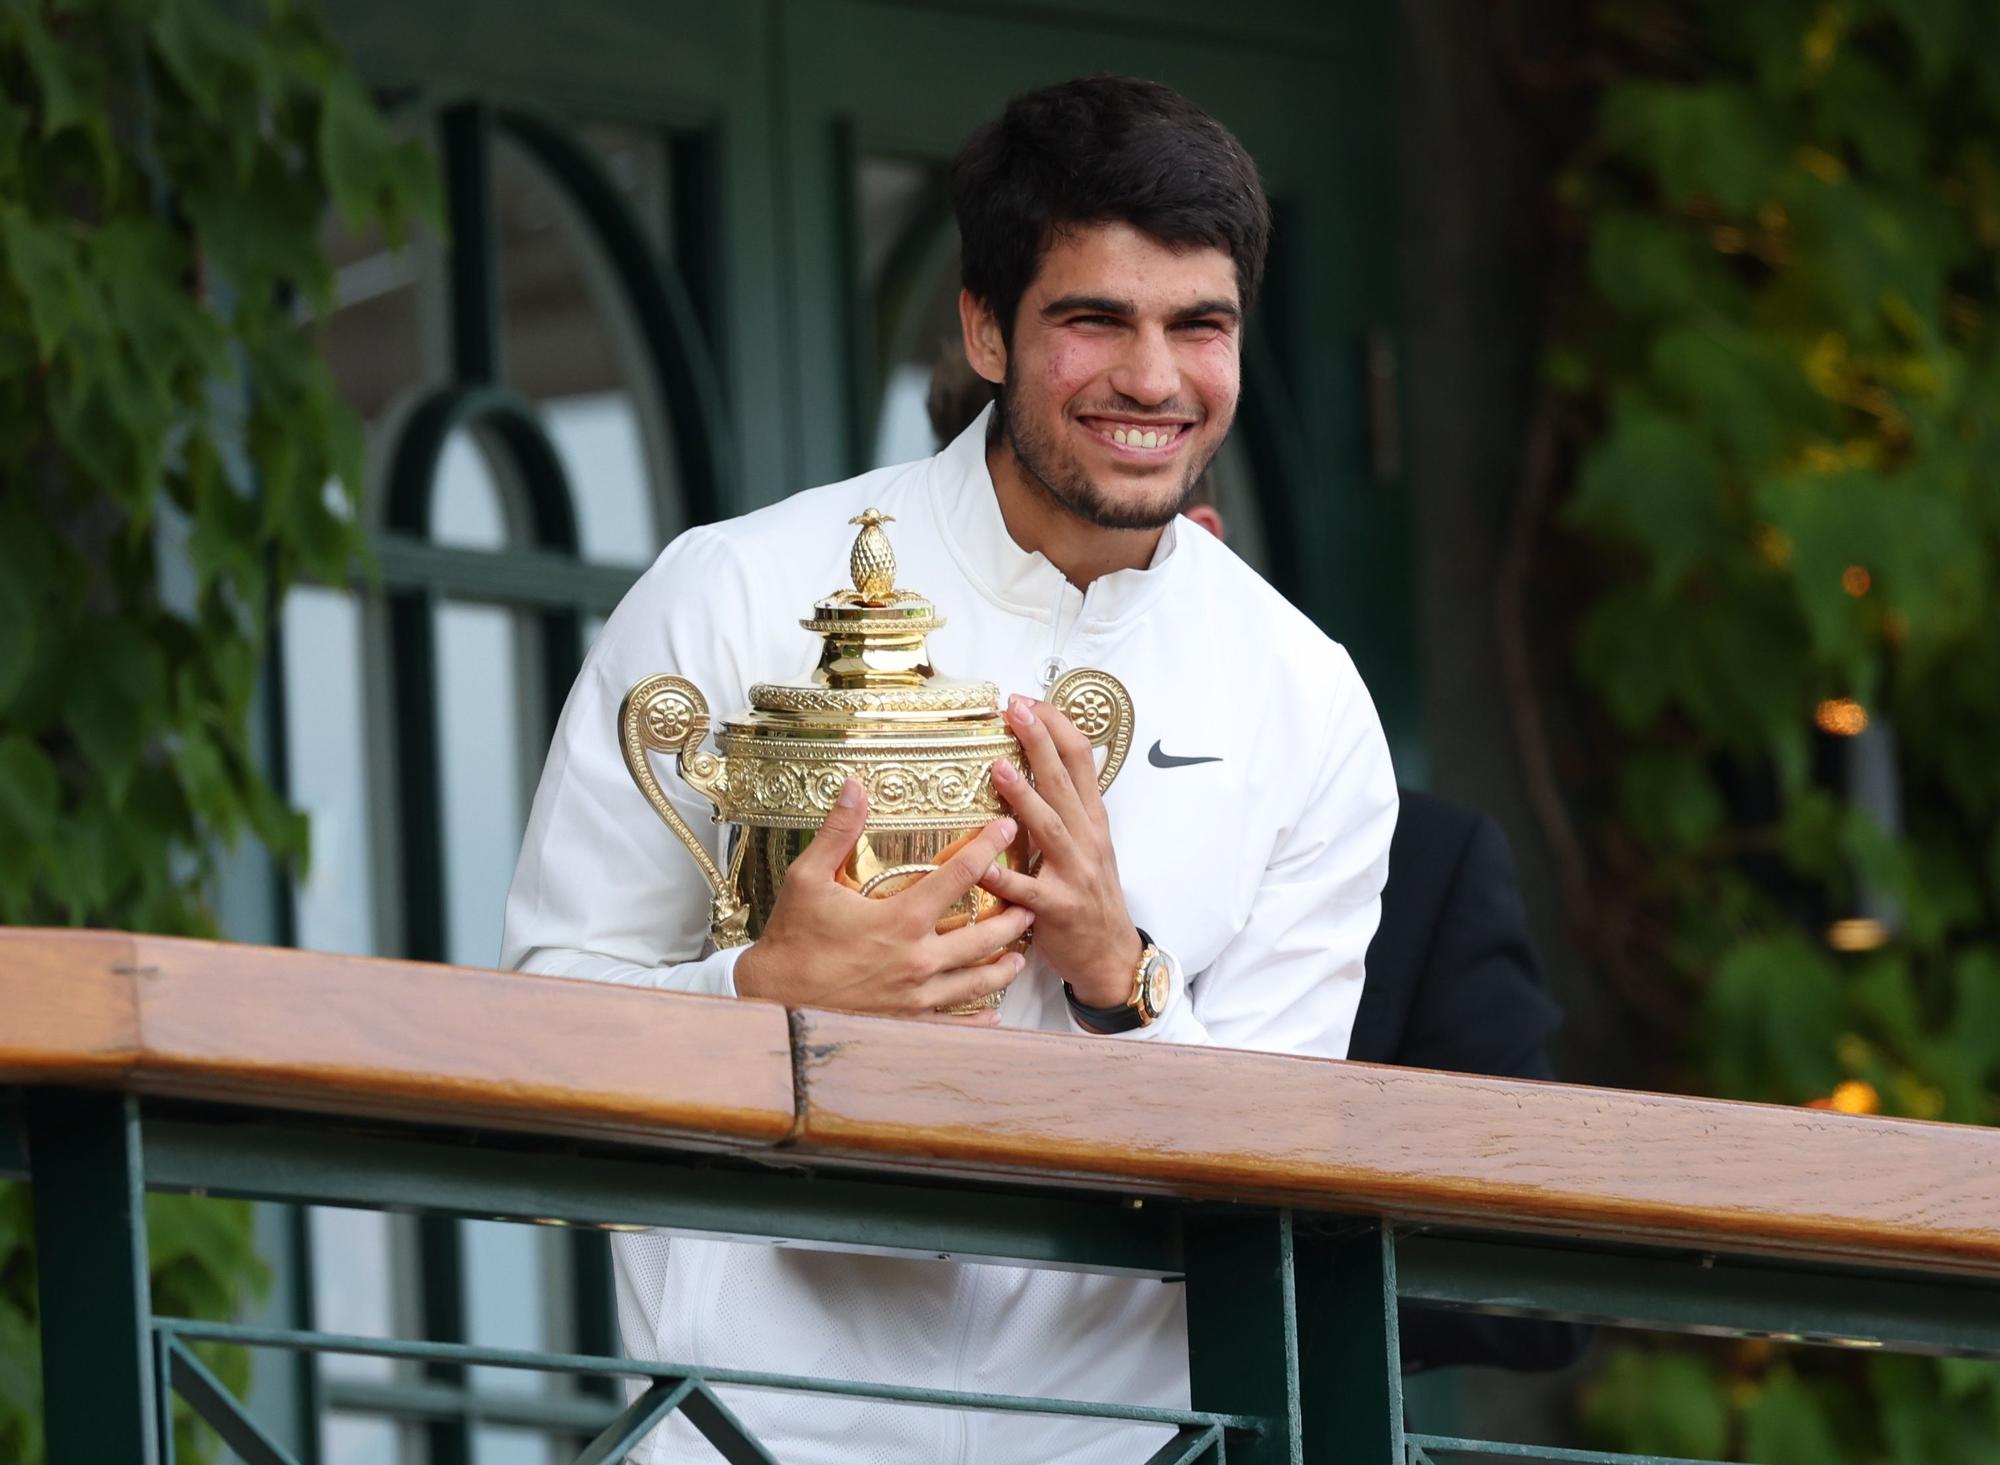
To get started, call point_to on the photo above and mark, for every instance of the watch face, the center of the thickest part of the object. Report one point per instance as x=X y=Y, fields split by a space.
x=1159 y=981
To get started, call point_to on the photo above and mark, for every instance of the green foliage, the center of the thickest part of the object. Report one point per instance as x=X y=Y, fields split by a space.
x=1788 y=331
x=1665 y=1405
x=165 y=168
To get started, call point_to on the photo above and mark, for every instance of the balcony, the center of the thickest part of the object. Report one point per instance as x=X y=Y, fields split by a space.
x=1296 y=1199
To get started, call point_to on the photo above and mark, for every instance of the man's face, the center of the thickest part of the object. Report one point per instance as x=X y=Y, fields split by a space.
x=1122 y=377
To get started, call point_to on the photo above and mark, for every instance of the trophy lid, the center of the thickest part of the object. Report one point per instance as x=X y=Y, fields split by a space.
x=875 y=662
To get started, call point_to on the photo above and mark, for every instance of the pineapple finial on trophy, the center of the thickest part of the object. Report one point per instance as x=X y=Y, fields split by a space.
x=872 y=562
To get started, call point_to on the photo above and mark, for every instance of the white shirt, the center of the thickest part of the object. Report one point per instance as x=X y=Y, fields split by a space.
x=1260 y=875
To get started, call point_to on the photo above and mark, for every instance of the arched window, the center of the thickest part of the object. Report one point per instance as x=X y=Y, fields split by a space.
x=543 y=414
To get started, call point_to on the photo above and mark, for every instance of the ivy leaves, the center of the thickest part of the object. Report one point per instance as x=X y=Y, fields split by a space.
x=159 y=231
x=166 y=167
x=1791 y=264
x=1789 y=331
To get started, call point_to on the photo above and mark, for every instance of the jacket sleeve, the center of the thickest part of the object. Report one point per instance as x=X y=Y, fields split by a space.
x=1291 y=979
x=1482 y=1004
x=603 y=889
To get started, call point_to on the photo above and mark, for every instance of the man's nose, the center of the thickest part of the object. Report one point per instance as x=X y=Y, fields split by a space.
x=1148 y=373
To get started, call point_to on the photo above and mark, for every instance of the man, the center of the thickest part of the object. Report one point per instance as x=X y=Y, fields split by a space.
x=1113 y=240
x=1453 y=979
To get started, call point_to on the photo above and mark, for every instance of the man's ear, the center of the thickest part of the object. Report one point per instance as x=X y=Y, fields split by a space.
x=1208 y=516
x=985 y=347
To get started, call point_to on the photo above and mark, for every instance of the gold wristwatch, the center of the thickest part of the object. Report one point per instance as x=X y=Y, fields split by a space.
x=1152 y=985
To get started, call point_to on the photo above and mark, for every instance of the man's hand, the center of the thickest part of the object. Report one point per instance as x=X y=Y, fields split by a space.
x=1081 y=925
x=827 y=945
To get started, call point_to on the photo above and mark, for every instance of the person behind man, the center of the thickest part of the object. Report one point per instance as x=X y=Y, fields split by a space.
x=1454 y=984
x=1453 y=981
x=1223 y=891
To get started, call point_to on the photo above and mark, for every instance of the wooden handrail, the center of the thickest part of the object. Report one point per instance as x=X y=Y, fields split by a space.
x=1407 y=1144
x=409 y=1040
x=294 y=1030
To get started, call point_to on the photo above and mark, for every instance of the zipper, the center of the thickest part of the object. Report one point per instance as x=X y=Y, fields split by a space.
x=1054 y=666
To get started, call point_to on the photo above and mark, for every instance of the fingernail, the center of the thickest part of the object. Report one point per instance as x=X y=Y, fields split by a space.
x=850 y=794
x=1006 y=828
x=1029 y=922
x=1005 y=772
x=1026 y=712
x=1019 y=961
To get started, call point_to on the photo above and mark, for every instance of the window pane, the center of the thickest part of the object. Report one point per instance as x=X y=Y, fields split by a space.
x=597 y=438
x=903 y=432
x=507 y=1302
x=480 y=740
x=379 y=335
x=895 y=196
x=326 y=747
x=466 y=509
x=637 y=160
x=347 y=1440
x=572 y=342
x=353 y=1288
x=908 y=261
x=493 y=1445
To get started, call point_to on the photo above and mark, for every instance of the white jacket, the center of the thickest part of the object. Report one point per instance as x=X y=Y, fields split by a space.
x=1258 y=873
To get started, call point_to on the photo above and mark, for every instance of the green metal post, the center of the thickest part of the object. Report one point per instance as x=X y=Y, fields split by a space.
x=98 y=1375
x=441 y=1266
x=593 y=1306
x=310 y=1395
x=163 y=1393
x=1243 y=1340
x=1350 y=1354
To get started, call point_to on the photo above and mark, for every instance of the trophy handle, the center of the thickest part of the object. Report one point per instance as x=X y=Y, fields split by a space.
x=1099 y=707
x=666 y=714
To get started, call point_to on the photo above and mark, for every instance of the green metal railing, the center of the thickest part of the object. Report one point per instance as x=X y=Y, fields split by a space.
x=1292 y=1317
x=1437 y=1450
x=1303 y=1207
x=675 y=1387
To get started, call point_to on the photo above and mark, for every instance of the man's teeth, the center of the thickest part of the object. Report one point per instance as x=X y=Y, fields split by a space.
x=1149 y=438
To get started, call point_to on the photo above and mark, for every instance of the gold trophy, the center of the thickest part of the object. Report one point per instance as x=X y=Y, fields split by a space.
x=874 y=709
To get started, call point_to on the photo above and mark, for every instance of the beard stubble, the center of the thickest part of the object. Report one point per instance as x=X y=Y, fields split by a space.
x=1063 y=480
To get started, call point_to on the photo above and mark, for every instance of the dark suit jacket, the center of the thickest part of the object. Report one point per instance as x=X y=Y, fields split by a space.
x=1453 y=983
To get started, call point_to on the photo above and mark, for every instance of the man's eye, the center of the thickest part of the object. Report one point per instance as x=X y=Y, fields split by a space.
x=1093 y=320
x=1199 y=327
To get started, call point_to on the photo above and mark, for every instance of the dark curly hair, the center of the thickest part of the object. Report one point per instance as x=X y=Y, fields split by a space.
x=1096 y=150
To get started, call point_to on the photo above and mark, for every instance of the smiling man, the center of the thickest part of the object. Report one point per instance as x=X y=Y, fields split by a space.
x=1224 y=891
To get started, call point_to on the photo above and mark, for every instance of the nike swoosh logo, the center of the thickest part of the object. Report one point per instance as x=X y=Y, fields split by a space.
x=1167 y=760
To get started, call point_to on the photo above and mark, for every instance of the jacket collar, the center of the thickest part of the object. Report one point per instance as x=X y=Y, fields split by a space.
x=969 y=520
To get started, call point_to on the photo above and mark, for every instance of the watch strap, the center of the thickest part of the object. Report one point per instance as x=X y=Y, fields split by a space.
x=1126 y=1015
